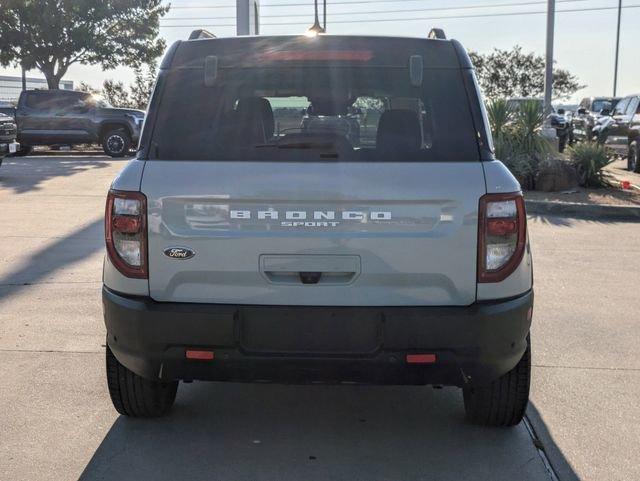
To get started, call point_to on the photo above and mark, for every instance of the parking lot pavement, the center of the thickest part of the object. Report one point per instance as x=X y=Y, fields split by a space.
x=57 y=422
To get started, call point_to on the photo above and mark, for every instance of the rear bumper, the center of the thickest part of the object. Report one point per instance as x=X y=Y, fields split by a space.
x=300 y=344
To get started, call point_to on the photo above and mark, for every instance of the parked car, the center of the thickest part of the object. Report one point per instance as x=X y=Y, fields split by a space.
x=8 y=109
x=614 y=130
x=8 y=143
x=54 y=117
x=237 y=255
x=633 y=154
x=590 y=110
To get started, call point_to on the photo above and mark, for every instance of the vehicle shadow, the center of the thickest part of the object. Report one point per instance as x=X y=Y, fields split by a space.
x=273 y=432
x=62 y=253
x=26 y=174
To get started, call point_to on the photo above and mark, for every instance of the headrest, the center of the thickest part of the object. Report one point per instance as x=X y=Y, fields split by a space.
x=258 y=108
x=399 y=130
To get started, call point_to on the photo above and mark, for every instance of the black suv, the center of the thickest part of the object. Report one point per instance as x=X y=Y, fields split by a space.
x=54 y=117
x=588 y=113
x=7 y=135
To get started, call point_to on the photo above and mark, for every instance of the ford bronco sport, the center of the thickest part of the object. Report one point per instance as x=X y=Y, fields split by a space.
x=242 y=246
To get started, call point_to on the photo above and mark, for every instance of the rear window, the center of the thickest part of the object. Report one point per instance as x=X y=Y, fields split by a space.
x=326 y=110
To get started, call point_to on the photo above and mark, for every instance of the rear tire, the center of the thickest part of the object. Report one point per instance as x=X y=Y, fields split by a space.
x=633 y=160
x=136 y=396
x=116 y=143
x=504 y=401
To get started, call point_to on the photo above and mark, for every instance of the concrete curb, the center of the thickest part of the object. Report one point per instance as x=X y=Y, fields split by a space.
x=575 y=209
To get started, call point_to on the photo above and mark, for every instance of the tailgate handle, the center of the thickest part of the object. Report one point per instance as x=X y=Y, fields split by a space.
x=310 y=269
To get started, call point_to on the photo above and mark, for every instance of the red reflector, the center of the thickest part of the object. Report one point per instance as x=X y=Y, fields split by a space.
x=126 y=224
x=200 y=355
x=324 y=55
x=421 y=358
x=502 y=226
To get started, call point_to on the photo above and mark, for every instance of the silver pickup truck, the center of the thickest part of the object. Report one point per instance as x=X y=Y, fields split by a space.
x=244 y=247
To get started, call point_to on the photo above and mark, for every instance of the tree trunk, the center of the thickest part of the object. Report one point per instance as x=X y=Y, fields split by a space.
x=53 y=77
x=53 y=80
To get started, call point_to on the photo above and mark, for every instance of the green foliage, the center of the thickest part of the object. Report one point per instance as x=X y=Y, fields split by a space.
x=500 y=116
x=590 y=159
x=517 y=139
x=513 y=73
x=138 y=94
x=51 y=35
x=116 y=94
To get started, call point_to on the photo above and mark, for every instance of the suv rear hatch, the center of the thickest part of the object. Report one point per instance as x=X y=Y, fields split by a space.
x=328 y=171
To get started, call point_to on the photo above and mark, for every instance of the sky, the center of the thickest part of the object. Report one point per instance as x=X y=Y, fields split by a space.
x=584 y=40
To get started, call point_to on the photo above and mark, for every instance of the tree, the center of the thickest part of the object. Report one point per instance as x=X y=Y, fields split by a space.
x=139 y=93
x=116 y=94
x=142 y=87
x=85 y=87
x=52 y=35
x=513 y=73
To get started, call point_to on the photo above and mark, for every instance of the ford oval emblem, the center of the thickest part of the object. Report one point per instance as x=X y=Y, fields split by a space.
x=179 y=253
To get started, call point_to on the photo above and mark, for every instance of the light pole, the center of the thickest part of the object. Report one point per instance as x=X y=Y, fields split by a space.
x=324 y=16
x=615 y=69
x=316 y=28
x=548 y=75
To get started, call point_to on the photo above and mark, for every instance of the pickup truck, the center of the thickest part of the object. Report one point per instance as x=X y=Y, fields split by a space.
x=54 y=117
x=240 y=253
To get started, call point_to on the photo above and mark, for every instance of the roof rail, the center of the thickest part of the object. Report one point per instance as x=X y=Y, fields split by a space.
x=201 y=33
x=437 y=33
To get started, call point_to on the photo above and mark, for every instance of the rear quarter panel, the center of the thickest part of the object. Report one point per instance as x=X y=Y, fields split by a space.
x=500 y=180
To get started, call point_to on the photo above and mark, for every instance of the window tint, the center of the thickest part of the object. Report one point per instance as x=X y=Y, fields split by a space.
x=621 y=107
x=53 y=102
x=314 y=113
x=633 y=105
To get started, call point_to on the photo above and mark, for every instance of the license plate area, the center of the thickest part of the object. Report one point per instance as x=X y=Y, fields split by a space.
x=310 y=330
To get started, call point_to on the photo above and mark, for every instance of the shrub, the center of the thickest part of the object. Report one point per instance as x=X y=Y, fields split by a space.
x=517 y=138
x=590 y=159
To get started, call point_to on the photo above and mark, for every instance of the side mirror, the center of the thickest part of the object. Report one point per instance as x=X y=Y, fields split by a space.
x=582 y=111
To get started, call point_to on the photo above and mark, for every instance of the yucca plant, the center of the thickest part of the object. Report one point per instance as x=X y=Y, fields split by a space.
x=589 y=159
x=528 y=122
x=517 y=138
x=500 y=118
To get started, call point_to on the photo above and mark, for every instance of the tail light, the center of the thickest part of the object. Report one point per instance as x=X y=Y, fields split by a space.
x=502 y=235
x=126 y=232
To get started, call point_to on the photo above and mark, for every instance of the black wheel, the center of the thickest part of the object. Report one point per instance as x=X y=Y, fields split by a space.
x=24 y=151
x=136 y=396
x=504 y=401
x=633 y=159
x=116 y=143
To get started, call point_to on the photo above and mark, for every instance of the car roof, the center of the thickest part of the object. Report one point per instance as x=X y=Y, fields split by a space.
x=247 y=51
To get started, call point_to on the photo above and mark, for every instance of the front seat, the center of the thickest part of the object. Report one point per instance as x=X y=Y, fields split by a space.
x=399 y=132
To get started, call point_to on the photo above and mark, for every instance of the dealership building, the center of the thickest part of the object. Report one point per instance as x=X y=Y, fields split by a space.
x=10 y=87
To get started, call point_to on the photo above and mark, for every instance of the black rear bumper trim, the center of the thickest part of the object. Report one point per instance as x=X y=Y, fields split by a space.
x=299 y=344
